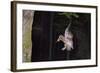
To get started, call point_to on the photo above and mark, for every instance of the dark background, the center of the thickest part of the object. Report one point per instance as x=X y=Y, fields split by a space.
x=46 y=28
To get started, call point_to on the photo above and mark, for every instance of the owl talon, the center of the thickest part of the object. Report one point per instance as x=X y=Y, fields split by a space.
x=63 y=49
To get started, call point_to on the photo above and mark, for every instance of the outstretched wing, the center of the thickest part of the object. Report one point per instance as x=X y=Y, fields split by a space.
x=67 y=30
x=68 y=38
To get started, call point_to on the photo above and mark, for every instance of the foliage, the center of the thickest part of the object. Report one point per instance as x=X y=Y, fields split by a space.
x=69 y=15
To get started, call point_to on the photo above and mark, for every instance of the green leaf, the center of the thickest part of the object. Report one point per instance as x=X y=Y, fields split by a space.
x=69 y=15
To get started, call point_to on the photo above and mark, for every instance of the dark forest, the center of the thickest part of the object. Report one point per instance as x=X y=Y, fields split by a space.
x=46 y=28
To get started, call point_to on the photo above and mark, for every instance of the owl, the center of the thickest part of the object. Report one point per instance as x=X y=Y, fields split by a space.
x=67 y=39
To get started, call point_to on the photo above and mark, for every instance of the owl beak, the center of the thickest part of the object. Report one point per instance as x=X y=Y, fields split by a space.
x=57 y=40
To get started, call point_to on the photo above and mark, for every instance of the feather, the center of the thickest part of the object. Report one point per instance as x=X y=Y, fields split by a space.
x=67 y=39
